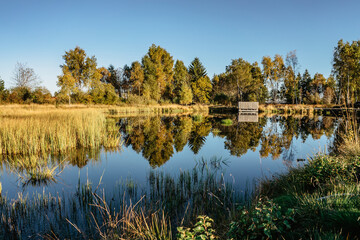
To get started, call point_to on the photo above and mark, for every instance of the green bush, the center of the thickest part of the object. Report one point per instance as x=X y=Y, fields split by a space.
x=265 y=220
x=202 y=230
x=226 y=122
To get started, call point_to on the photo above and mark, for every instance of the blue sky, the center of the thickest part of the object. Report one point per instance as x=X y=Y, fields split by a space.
x=38 y=32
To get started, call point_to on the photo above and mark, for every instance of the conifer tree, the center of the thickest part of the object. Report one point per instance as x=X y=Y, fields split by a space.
x=200 y=83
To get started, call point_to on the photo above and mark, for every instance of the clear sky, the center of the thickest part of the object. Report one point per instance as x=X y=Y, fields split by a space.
x=38 y=32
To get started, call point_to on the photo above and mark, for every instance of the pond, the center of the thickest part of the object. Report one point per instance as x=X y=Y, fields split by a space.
x=247 y=151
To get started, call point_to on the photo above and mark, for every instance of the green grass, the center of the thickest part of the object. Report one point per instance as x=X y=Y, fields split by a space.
x=325 y=194
x=226 y=122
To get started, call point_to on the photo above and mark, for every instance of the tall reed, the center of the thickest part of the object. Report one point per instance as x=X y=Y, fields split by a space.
x=54 y=131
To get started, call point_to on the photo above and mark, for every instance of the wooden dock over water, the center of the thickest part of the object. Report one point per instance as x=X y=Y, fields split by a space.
x=248 y=111
x=248 y=107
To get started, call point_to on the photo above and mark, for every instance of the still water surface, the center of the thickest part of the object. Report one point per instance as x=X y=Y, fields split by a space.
x=251 y=150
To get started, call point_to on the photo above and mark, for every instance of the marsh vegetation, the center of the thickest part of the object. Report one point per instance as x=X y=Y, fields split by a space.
x=74 y=183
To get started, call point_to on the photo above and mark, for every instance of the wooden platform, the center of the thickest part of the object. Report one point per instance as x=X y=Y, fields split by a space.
x=248 y=107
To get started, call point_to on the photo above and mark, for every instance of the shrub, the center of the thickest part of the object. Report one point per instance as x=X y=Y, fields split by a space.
x=265 y=220
x=203 y=230
x=226 y=122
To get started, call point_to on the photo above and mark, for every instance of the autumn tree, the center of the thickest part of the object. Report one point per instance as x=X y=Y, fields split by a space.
x=181 y=80
x=41 y=95
x=201 y=89
x=273 y=71
x=136 y=77
x=329 y=90
x=77 y=72
x=185 y=94
x=346 y=69
x=80 y=73
x=317 y=87
x=200 y=83
x=158 y=72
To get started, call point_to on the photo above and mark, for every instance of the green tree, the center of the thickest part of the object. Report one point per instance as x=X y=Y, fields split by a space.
x=186 y=96
x=181 y=77
x=125 y=80
x=305 y=86
x=158 y=72
x=291 y=85
x=239 y=73
x=41 y=95
x=201 y=89
x=137 y=77
x=200 y=83
x=78 y=72
x=114 y=79
x=2 y=85
x=317 y=87
x=258 y=91
x=3 y=91
x=182 y=132
x=346 y=69
x=201 y=128
x=196 y=70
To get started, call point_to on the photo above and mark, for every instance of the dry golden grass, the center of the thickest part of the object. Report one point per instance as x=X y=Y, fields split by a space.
x=36 y=129
x=291 y=108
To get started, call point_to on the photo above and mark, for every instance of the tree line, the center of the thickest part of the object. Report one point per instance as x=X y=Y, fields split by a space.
x=158 y=78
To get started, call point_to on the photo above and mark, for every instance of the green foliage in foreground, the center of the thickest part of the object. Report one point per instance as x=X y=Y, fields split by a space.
x=317 y=201
x=265 y=219
x=202 y=230
x=320 y=200
x=325 y=194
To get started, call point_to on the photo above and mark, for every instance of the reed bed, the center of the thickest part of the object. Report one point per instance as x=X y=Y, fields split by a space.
x=152 y=211
x=42 y=130
x=304 y=109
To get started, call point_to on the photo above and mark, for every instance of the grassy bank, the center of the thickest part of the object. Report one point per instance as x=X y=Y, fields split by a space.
x=292 y=108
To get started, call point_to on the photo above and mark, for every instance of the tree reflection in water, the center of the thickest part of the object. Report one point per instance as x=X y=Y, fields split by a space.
x=157 y=137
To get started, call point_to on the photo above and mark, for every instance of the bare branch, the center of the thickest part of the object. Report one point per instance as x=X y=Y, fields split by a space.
x=24 y=76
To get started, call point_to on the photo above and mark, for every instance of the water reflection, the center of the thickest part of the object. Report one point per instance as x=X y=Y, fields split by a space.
x=156 y=138
x=151 y=141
